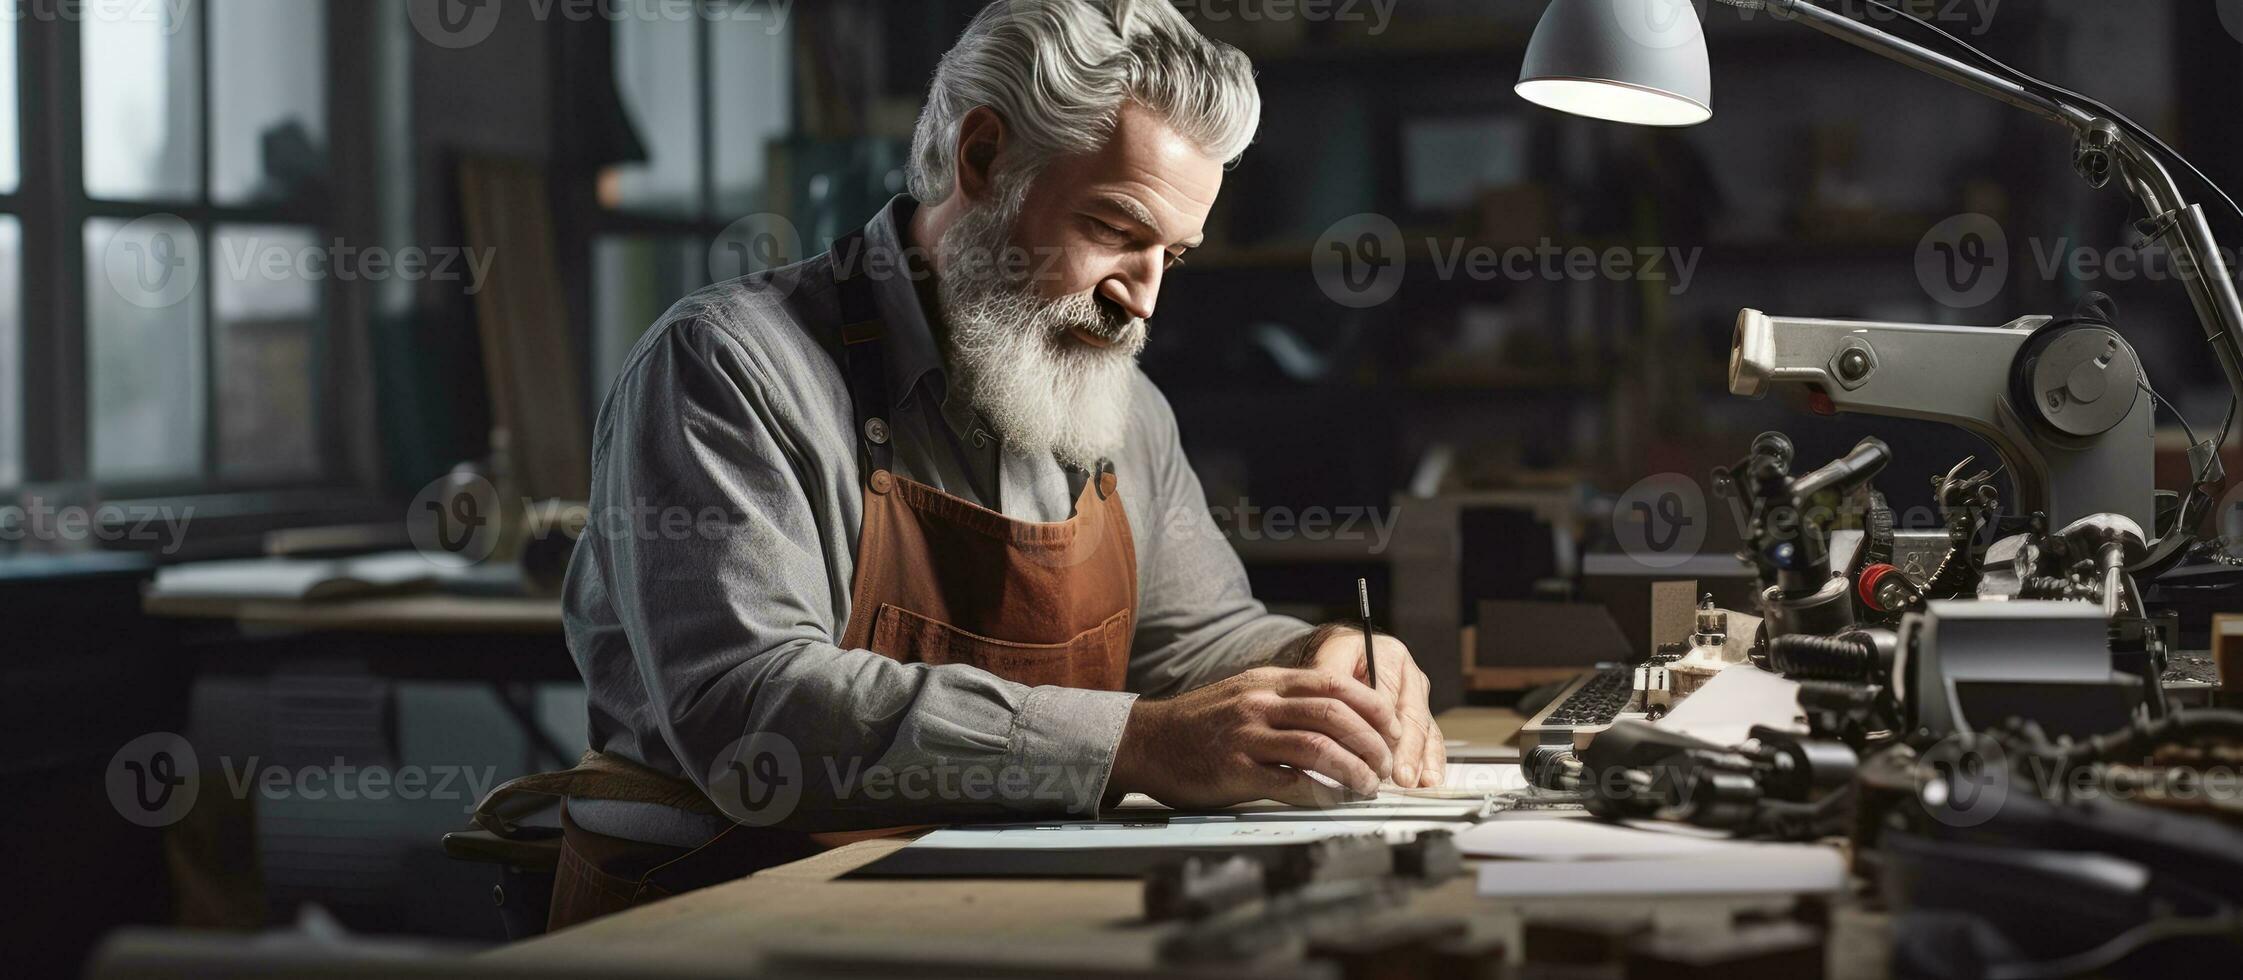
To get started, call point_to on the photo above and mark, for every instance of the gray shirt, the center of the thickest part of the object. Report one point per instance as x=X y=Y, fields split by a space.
x=705 y=603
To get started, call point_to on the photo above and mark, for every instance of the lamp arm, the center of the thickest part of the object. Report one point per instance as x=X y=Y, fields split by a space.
x=2099 y=148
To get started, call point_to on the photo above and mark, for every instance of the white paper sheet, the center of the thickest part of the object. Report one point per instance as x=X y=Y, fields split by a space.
x=1727 y=707
x=1583 y=838
x=1791 y=868
x=1178 y=831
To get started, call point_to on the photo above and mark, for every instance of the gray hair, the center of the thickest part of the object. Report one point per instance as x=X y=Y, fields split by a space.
x=1057 y=72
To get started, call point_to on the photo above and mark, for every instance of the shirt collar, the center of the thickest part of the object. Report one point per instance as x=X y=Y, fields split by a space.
x=913 y=356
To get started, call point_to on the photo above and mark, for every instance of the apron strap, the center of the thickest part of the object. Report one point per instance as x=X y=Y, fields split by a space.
x=598 y=775
x=864 y=360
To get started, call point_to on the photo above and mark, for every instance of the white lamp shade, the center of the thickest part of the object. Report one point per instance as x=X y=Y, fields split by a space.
x=1631 y=61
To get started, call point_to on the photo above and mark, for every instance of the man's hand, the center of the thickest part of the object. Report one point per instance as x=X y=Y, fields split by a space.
x=1421 y=757
x=1233 y=741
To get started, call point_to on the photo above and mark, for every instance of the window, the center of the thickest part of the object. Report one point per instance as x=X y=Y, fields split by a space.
x=707 y=95
x=202 y=208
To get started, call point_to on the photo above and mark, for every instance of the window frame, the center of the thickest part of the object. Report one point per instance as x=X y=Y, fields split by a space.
x=54 y=209
x=596 y=221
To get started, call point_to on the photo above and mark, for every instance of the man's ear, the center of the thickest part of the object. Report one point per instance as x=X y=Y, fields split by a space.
x=981 y=142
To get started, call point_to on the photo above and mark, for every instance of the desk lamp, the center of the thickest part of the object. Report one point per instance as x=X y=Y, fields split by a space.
x=1644 y=62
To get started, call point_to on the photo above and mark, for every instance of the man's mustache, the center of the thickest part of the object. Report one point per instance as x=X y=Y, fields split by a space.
x=1100 y=316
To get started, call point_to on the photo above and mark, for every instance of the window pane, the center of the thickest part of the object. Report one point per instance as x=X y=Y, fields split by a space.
x=633 y=281
x=654 y=61
x=9 y=165
x=751 y=92
x=268 y=100
x=11 y=351
x=142 y=139
x=144 y=348
x=265 y=298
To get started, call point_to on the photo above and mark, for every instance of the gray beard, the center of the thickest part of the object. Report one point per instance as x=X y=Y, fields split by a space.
x=1011 y=351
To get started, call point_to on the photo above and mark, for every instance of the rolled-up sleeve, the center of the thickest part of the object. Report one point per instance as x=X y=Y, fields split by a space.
x=1198 y=620
x=733 y=628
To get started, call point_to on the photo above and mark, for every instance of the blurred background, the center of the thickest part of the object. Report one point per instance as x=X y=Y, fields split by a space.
x=276 y=273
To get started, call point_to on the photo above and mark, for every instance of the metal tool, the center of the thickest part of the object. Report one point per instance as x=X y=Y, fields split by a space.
x=2061 y=401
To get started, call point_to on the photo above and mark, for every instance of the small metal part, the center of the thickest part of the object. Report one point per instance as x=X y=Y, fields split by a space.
x=1853 y=364
x=1332 y=859
x=2116 y=542
x=1430 y=856
x=1196 y=888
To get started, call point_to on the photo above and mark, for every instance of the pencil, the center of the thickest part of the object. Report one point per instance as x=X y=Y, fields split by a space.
x=1370 y=659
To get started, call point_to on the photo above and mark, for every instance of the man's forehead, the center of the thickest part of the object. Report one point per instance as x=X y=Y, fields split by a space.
x=1149 y=171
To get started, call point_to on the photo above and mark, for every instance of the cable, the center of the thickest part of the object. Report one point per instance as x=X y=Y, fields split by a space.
x=2175 y=412
x=1989 y=61
x=2118 y=948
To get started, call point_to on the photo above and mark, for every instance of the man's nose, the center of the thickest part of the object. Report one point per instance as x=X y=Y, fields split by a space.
x=1135 y=289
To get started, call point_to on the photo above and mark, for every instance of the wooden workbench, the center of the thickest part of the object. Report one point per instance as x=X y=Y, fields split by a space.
x=806 y=910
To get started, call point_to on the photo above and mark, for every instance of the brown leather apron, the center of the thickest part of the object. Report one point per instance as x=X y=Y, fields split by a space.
x=938 y=580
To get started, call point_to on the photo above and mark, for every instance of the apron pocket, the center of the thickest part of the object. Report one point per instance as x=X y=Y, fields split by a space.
x=1094 y=659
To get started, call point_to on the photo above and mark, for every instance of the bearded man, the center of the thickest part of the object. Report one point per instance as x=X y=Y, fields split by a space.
x=964 y=571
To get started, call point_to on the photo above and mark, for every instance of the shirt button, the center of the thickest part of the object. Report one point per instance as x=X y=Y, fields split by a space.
x=876 y=429
x=882 y=482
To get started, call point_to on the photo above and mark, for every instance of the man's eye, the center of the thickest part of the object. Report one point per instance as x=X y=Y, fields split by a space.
x=1107 y=232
